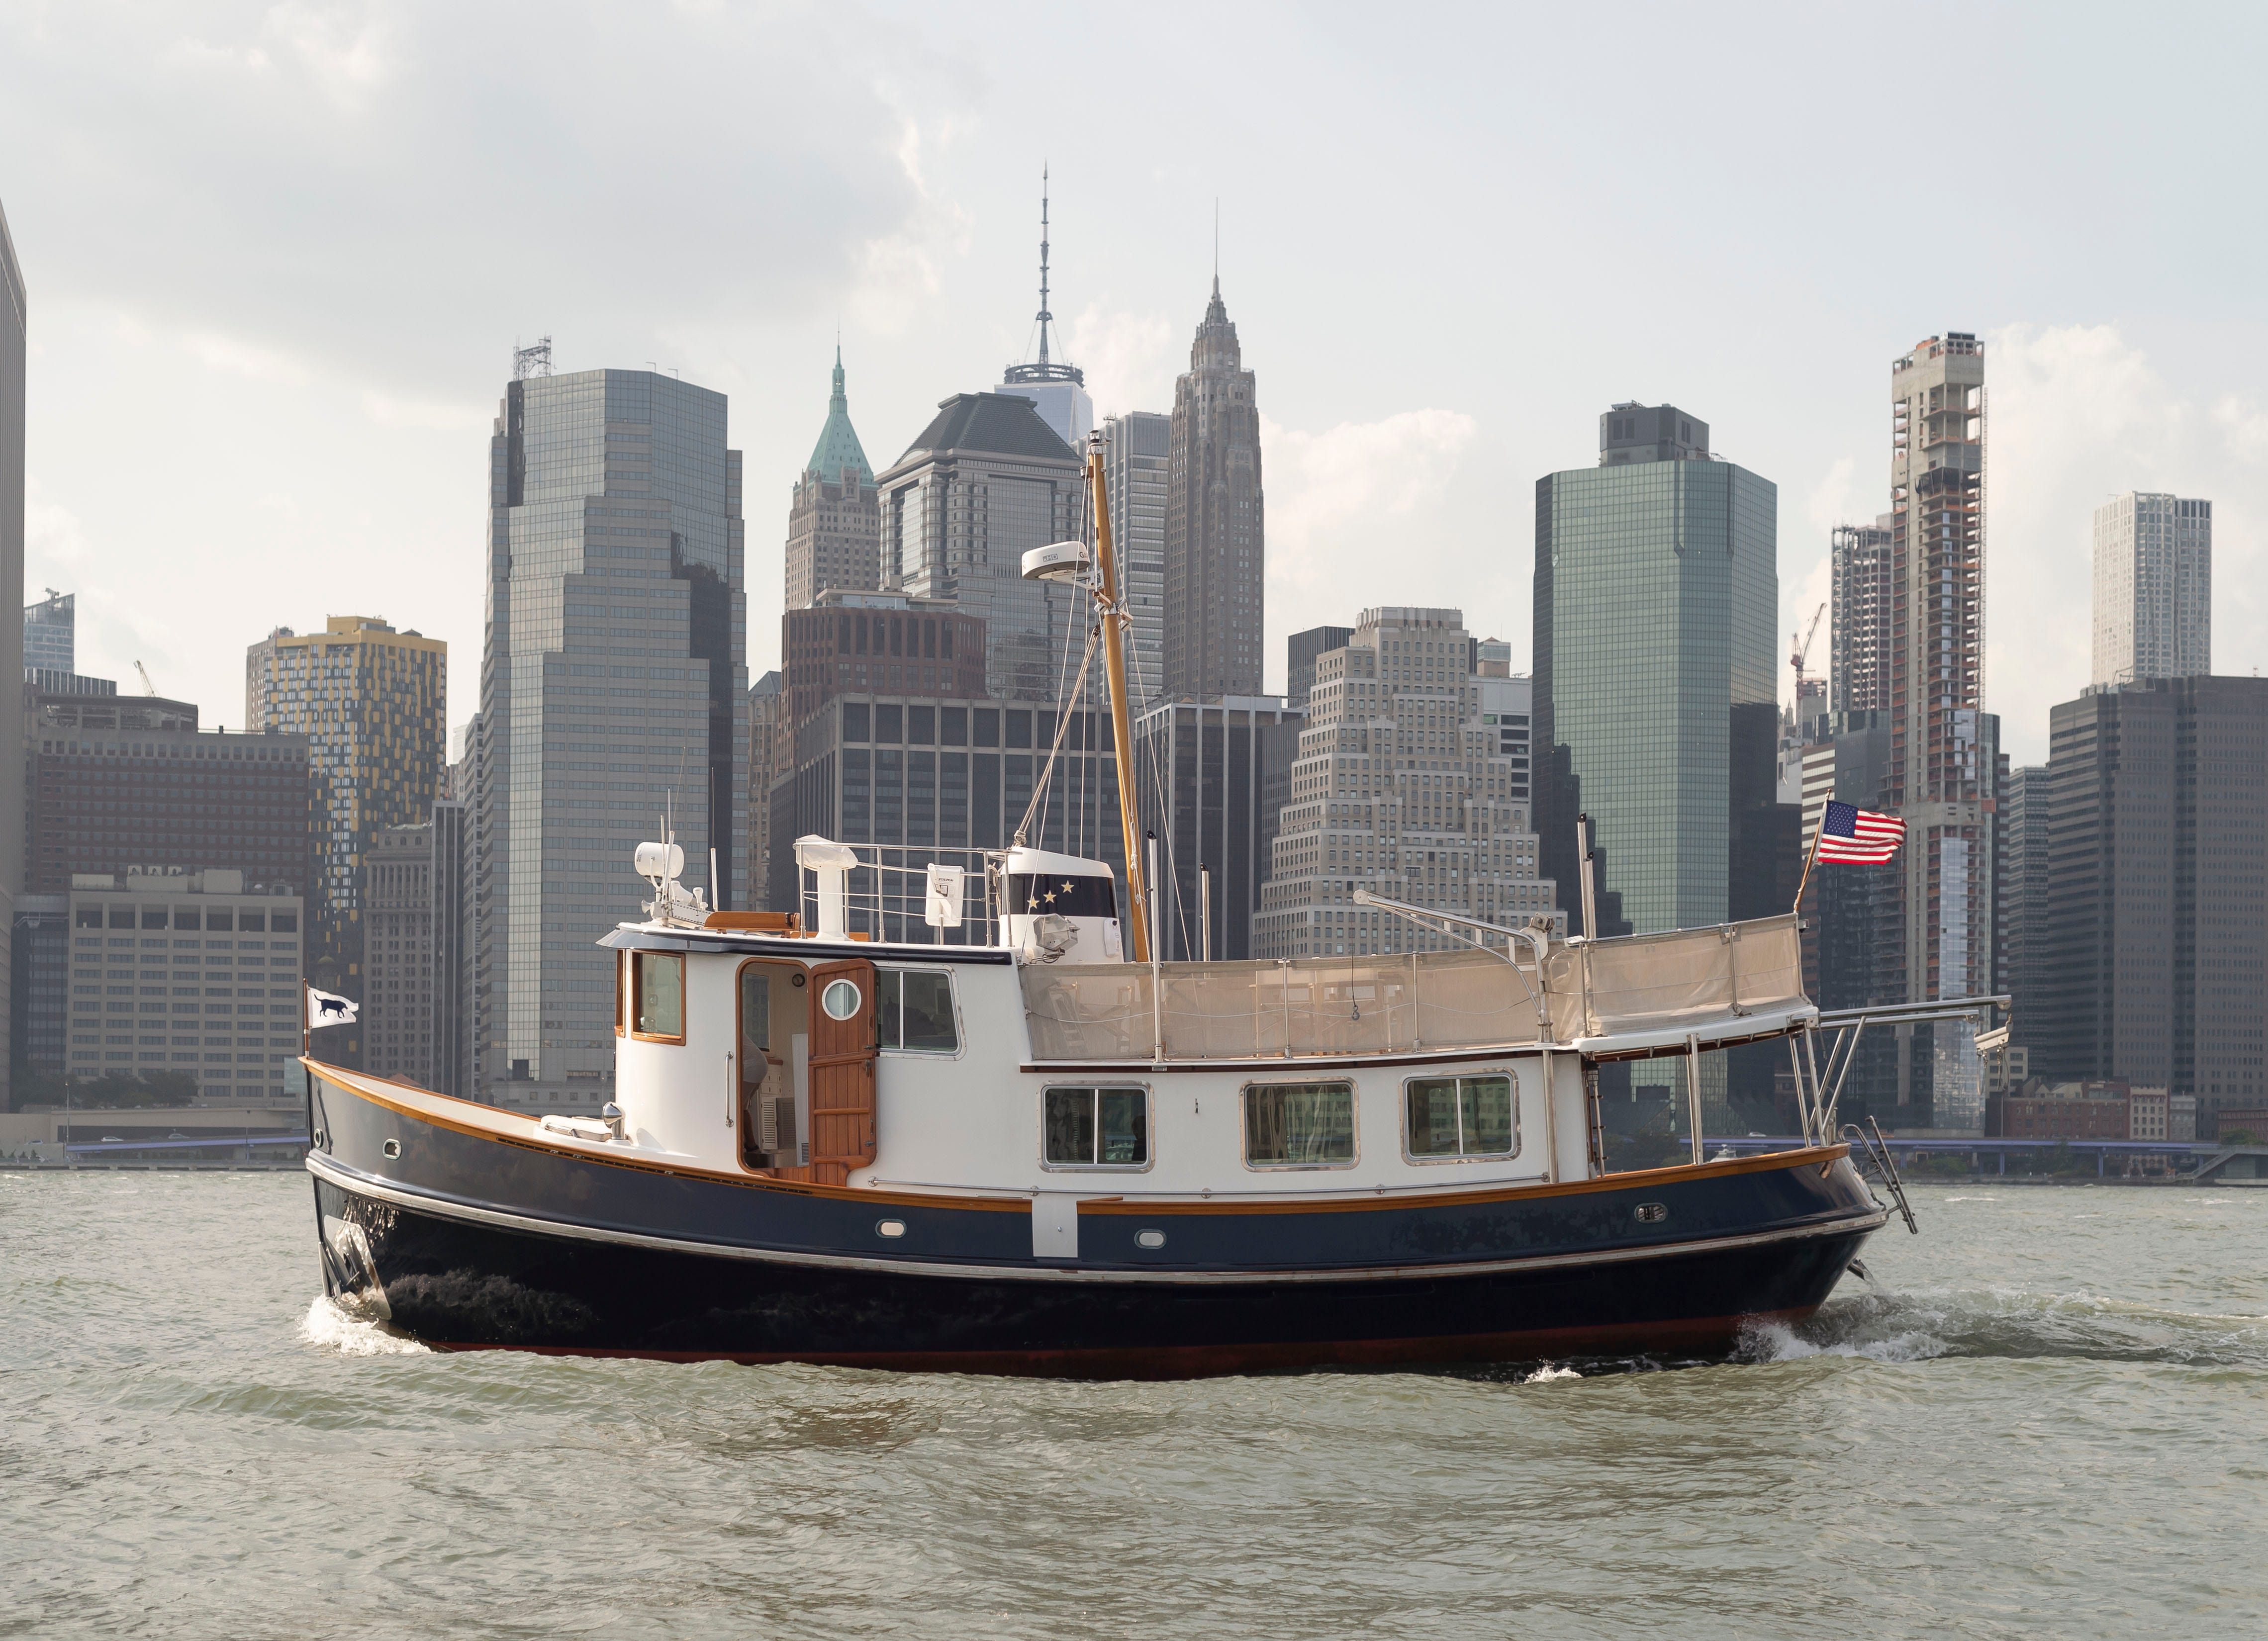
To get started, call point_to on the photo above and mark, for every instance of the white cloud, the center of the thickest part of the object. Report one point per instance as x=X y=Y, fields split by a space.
x=388 y=411
x=2076 y=415
x=1355 y=513
x=1130 y=358
x=243 y=358
x=900 y=274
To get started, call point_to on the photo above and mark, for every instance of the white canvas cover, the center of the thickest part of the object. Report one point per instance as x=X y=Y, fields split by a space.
x=1689 y=980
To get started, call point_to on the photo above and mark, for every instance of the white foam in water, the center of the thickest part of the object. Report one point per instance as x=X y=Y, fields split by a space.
x=1546 y=1373
x=329 y=1328
x=1777 y=1342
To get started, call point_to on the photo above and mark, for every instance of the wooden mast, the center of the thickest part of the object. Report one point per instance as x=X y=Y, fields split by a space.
x=1115 y=621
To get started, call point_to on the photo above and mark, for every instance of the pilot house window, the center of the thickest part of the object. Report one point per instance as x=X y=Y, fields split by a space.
x=914 y=1010
x=658 y=996
x=1096 y=1127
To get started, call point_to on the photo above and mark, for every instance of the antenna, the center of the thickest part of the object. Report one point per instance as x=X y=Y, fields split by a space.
x=534 y=360
x=1044 y=371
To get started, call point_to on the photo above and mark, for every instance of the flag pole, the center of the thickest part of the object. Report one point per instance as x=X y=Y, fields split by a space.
x=1809 y=856
x=303 y=1017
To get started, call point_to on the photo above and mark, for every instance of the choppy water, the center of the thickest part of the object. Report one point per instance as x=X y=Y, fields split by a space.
x=2051 y=1420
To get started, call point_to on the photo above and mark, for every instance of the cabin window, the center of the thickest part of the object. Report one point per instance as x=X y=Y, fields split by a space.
x=914 y=1009
x=622 y=993
x=840 y=999
x=1096 y=1128
x=1299 y=1125
x=1460 y=1116
x=658 y=996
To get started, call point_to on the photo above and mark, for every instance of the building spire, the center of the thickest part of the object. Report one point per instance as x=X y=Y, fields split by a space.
x=1044 y=371
x=1046 y=318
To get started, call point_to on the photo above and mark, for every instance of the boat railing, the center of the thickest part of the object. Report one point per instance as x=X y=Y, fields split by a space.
x=1701 y=982
x=886 y=893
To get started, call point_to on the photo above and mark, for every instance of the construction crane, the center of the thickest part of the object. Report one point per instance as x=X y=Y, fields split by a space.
x=1802 y=651
x=148 y=688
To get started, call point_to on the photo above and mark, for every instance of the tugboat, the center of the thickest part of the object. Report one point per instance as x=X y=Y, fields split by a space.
x=1008 y=1139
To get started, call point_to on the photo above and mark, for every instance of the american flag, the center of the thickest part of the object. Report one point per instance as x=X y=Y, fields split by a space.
x=1858 y=837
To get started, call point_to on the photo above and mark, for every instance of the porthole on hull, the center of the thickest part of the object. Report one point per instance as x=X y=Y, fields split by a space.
x=891 y=1228
x=1653 y=1213
x=1150 y=1238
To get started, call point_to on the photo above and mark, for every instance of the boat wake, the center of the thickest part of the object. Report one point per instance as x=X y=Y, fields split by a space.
x=2009 y=1323
x=330 y=1326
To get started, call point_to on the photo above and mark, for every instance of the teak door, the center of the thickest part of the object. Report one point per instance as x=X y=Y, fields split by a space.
x=842 y=1056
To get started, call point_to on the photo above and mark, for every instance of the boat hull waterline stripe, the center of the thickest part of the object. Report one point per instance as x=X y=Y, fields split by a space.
x=349 y=1180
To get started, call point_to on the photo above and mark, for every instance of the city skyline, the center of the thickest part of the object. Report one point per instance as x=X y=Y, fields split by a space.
x=280 y=393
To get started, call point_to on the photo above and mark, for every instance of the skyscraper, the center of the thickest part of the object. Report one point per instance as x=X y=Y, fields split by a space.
x=372 y=702
x=2026 y=859
x=1055 y=386
x=2153 y=588
x=614 y=689
x=1657 y=596
x=1216 y=535
x=51 y=635
x=1411 y=780
x=1936 y=937
x=398 y=951
x=1136 y=450
x=13 y=340
x=1859 y=632
x=2151 y=971
x=983 y=484
x=1301 y=651
x=831 y=521
x=1202 y=773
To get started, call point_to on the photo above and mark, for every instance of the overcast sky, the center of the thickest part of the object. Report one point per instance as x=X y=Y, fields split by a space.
x=278 y=256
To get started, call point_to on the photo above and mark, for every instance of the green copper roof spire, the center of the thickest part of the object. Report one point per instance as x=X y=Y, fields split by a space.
x=838 y=445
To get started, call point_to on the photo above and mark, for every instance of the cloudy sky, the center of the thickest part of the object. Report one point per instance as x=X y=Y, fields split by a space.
x=278 y=256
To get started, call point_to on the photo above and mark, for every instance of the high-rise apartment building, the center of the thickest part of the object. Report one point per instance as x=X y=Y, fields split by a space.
x=614 y=689
x=372 y=704
x=1936 y=939
x=2151 y=971
x=1411 y=781
x=983 y=483
x=1862 y=600
x=833 y=518
x=1657 y=597
x=1203 y=777
x=51 y=635
x=1216 y=533
x=14 y=337
x=2153 y=588
x=397 y=1010
x=129 y=783
x=1055 y=386
x=1136 y=450
x=1301 y=651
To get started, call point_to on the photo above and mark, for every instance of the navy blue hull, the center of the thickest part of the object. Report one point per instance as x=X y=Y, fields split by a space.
x=478 y=1242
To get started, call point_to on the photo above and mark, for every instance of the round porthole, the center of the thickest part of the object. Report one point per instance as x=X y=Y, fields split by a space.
x=840 y=999
x=1653 y=1213
x=892 y=1227
x=1149 y=1238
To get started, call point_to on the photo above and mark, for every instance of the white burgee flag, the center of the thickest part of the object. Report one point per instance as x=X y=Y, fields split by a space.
x=328 y=1008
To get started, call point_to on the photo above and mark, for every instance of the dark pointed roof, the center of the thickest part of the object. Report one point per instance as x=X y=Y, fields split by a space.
x=838 y=445
x=1004 y=424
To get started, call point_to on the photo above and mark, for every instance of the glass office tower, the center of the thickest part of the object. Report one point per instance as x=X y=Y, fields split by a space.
x=1657 y=600
x=613 y=688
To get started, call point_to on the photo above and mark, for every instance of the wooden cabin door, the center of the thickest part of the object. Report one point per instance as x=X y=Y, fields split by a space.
x=844 y=1046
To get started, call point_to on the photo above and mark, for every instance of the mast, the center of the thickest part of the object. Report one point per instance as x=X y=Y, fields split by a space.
x=1115 y=621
